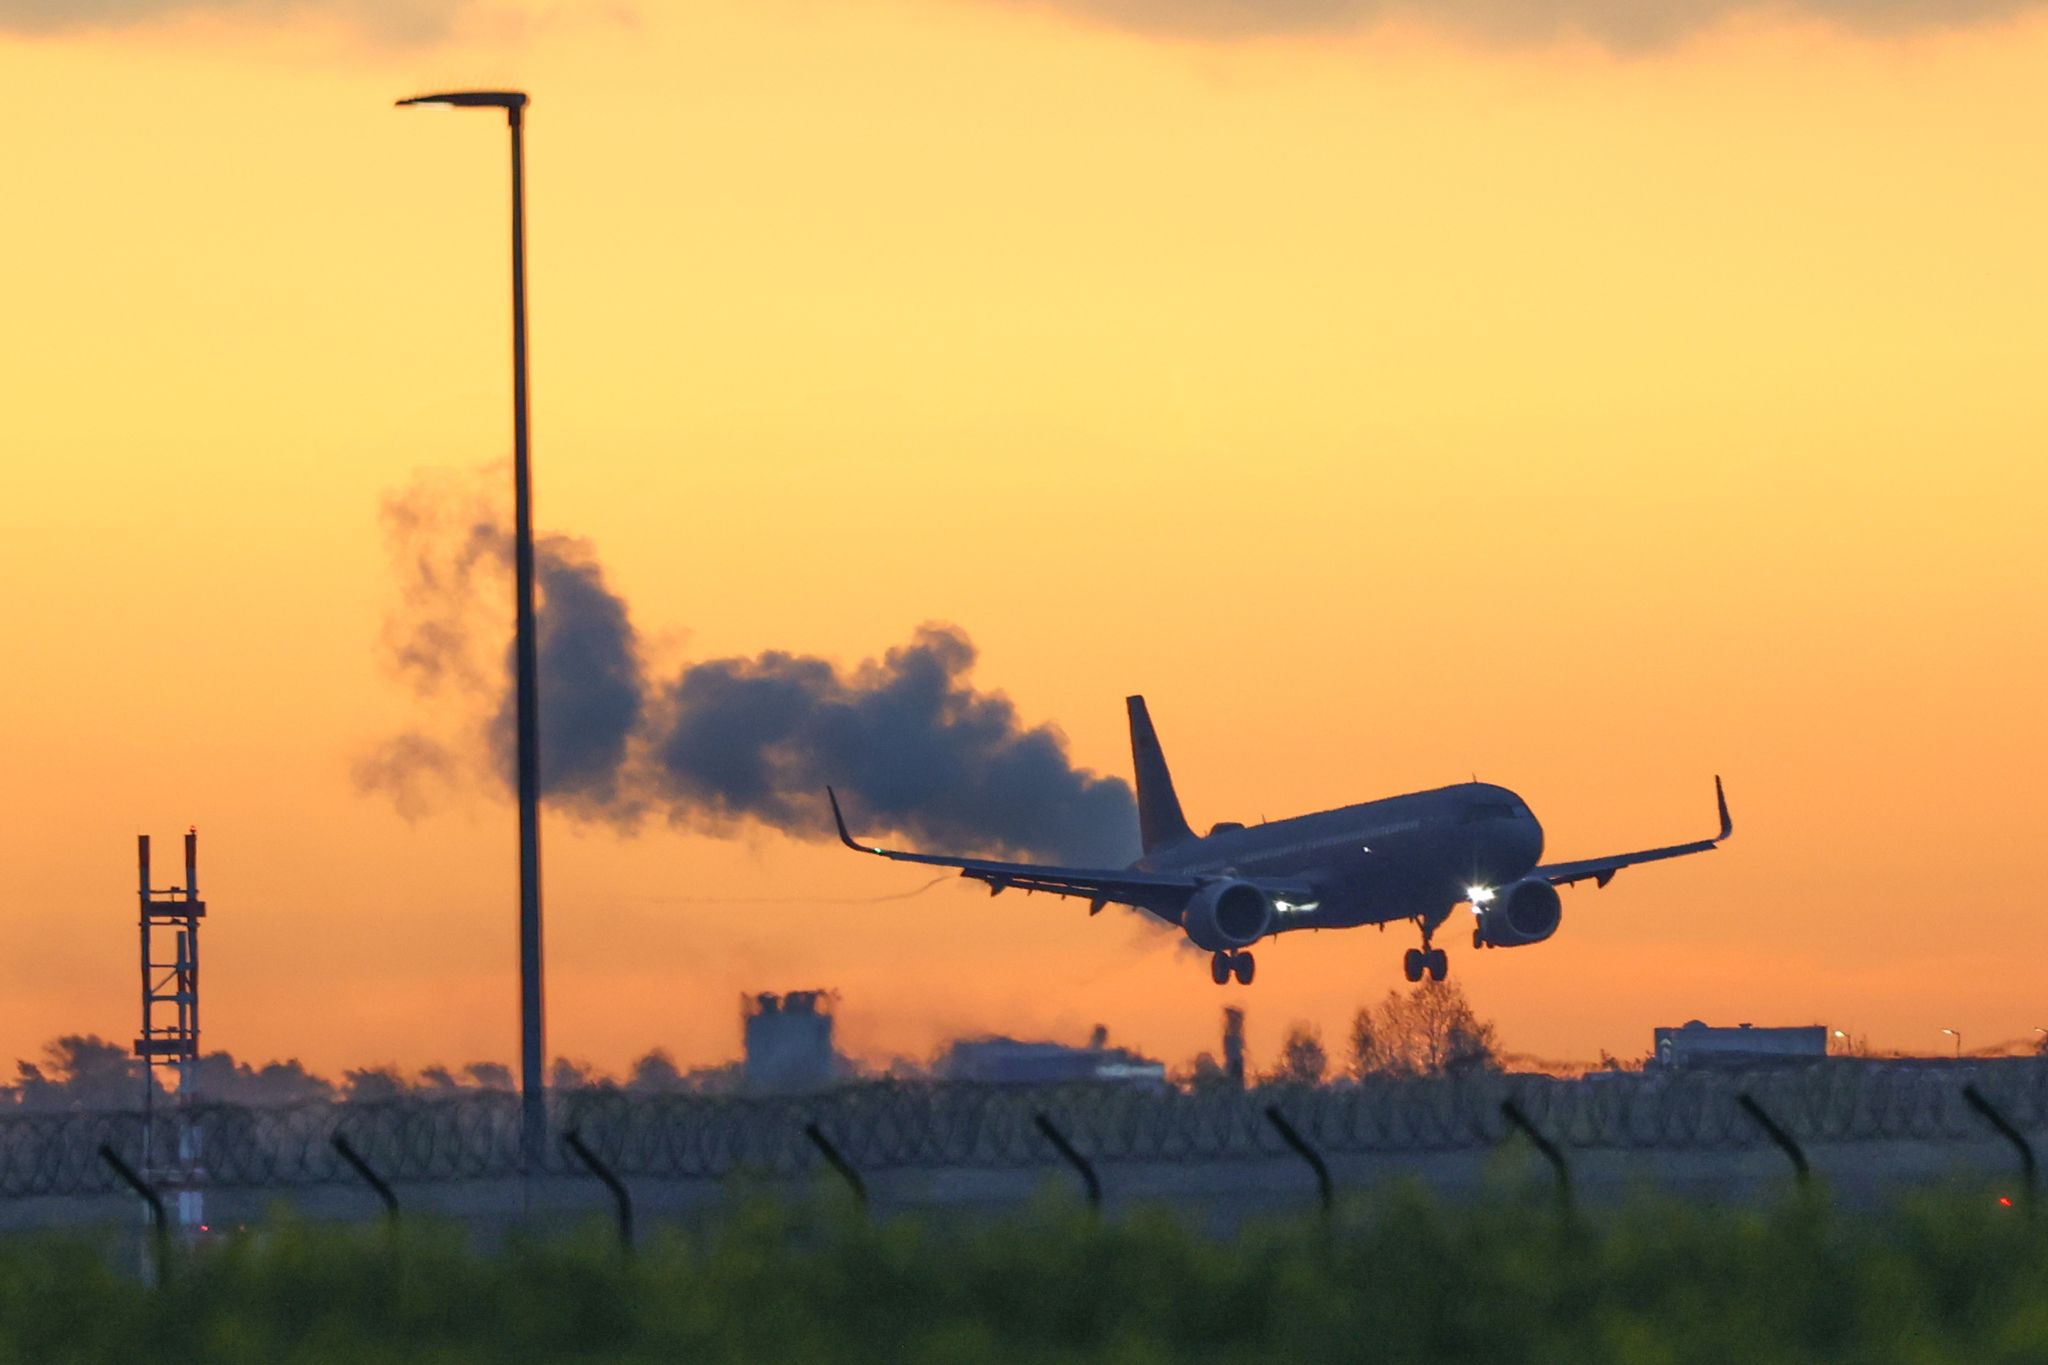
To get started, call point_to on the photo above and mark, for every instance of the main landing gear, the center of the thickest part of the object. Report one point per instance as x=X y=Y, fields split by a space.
x=1223 y=966
x=1427 y=960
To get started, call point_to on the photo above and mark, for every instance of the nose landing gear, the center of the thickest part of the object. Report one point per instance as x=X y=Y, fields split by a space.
x=1223 y=966
x=1426 y=960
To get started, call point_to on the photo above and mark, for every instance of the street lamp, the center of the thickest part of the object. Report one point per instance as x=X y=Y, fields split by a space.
x=1956 y=1034
x=532 y=1096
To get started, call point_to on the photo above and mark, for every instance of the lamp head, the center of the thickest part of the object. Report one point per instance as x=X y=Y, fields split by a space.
x=511 y=101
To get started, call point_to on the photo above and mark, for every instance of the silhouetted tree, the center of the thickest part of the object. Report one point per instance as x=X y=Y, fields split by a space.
x=656 y=1074
x=1302 y=1059
x=1370 y=1055
x=1205 y=1075
x=437 y=1080
x=1428 y=1032
x=219 y=1079
x=489 y=1075
x=568 y=1075
x=80 y=1071
x=373 y=1084
x=729 y=1078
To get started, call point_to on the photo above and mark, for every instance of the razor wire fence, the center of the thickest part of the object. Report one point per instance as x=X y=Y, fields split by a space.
x=885 y=1126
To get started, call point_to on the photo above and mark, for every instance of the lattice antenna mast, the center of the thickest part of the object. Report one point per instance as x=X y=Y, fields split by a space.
x=169 y=925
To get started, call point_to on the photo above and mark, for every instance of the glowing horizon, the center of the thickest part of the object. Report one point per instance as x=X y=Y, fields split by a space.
x=1385 y=405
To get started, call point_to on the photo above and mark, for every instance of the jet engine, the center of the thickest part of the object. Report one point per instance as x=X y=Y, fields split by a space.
x=1227 y=915
x=1527 y=912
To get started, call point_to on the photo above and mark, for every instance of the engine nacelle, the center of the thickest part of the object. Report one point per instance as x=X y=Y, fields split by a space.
x=1225 y=915
x=1527 y=912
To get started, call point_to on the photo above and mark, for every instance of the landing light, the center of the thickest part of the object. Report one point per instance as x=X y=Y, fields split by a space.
x=1479 y=895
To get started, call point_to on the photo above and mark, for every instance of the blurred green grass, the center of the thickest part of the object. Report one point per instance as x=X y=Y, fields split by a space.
x=1948 y=1277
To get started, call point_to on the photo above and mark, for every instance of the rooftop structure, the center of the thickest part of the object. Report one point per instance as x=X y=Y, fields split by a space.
x=788 y=1037
x=1233 y=1045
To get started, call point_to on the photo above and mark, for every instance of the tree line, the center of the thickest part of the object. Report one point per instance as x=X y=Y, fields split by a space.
x=1431 y=1030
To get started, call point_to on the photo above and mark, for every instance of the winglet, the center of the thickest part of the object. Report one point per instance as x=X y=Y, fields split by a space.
x=840 y=820
x=1721 y=799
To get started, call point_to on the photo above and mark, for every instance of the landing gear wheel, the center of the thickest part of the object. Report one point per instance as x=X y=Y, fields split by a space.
x=1437 y=964
x=1411 y=964
x=1219 y=967
x=1243 y=966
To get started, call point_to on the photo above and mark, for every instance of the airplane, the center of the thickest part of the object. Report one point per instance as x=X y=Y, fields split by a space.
x=1415 y=857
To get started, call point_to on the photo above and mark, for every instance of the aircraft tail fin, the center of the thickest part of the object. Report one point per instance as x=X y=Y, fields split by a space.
x=1159 y=819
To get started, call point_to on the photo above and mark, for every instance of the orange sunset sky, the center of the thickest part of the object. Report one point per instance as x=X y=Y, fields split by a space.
x=1387 y=397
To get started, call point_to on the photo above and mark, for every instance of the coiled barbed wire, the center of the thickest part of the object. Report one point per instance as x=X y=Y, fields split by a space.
x=884 y=1126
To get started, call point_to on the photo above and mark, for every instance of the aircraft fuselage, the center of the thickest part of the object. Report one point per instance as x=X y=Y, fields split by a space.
x=1393 y=859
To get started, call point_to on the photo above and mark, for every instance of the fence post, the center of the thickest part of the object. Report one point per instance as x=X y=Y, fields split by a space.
x=159 y=1225
x=1074 y=1159
x=1307 y=1153
x=838 y=1163
x=573 y=1140
x=1785 y=1141
x=2029 y=1173
x=370 y=1177
x=1512 y=1112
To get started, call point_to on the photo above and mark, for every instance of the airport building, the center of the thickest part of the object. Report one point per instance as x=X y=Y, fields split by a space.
x=1011 y=1061
x=1697 y=1045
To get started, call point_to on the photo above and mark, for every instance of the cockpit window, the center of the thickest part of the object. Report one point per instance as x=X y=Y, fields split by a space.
x=1480 y=811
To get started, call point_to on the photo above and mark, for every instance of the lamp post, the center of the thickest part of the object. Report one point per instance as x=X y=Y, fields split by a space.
x=532 y=1031
x=1956 y=1034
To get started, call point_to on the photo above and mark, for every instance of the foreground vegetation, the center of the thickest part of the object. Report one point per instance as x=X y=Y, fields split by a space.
x=1955 y=1278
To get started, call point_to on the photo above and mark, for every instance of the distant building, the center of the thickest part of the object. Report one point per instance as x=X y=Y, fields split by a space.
x=1698 y=1045
x=1011 y=1061
x=788 y=1042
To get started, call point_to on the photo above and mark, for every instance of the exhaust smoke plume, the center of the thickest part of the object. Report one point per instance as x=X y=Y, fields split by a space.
x=918 y=748
x=912 y=745
x=393 y=23
x=1623 y=26
x=591 y=684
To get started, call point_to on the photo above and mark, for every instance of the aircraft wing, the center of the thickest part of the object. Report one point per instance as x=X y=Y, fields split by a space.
x=1602 y=870
x=1164 y=894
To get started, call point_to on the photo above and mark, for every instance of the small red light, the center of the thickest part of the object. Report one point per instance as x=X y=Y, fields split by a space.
x=2005 y=1201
